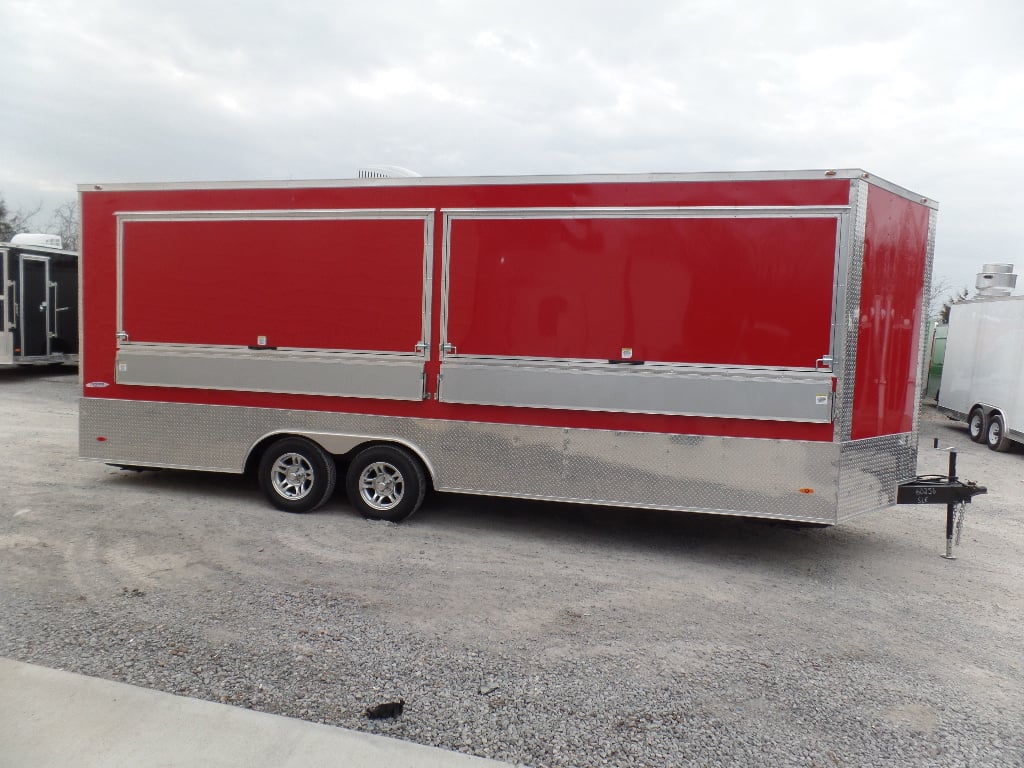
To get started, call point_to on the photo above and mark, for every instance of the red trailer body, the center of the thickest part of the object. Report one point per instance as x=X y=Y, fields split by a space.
x=729 y=343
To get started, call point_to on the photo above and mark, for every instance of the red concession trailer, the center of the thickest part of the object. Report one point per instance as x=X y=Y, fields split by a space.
x=743 y=344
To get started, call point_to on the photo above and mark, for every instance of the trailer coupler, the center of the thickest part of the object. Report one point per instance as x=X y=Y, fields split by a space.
x=943 y=489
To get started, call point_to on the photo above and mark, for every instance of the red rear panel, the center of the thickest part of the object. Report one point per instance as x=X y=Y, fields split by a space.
x=891 y=301
x=719 y=291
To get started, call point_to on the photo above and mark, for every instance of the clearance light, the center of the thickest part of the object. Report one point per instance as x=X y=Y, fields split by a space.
x=806 y=490
x=101 y=439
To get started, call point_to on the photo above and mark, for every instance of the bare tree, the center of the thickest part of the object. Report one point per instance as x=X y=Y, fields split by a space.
x=937 y=294
x=13 y=222
x=952 y=299
x=67 y=223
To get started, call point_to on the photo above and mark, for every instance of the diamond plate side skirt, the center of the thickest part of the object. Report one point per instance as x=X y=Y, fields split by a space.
x=793 y=480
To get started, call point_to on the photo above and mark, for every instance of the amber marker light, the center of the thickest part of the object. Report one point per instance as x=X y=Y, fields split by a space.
x=806 y=490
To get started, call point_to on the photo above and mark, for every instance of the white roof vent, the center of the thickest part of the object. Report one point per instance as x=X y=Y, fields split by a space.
x=996 y=280
x=386 y=172
x=47 y=241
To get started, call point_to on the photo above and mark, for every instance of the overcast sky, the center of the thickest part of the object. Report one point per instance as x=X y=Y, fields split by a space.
x=929 y=95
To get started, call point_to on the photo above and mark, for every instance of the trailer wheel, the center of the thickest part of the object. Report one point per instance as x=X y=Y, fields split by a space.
x=297 y=475
x=385 y=482
x=995 y=436
x=976 y=426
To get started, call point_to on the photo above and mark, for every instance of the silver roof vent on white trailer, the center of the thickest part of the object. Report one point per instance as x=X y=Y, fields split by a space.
x=47 y=241
x=996 y=280
x=386 y=172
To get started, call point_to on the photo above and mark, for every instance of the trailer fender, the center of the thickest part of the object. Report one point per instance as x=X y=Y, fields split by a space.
x=338 y=445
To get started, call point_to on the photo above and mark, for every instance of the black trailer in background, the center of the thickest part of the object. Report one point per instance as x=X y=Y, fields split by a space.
x=38 y=305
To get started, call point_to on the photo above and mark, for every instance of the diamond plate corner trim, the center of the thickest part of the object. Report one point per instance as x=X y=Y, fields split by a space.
x=925 y=333
x=781 y=479
x=871 y=471
x=851 y=310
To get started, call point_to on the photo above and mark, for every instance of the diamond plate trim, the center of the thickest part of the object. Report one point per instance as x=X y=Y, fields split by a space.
x=851 y=312
x=922 y=357
x=738 y=476
x=871 y=470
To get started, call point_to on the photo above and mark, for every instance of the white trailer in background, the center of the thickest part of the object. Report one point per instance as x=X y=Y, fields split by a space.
x=983 y=371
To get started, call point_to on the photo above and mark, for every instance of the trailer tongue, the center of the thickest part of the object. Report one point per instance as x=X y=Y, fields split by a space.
x=946 y=489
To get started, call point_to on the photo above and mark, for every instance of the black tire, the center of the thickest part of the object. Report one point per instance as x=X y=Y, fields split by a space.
x=297 y=475
x=385 y=482
x=977 y=425
x=995 y=435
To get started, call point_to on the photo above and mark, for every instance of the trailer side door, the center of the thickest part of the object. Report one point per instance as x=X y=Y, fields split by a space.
x=326 y=302
x=706 y=312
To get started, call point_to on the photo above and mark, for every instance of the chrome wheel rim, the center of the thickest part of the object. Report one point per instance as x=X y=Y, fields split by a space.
x=292 y=476
x=381 y=486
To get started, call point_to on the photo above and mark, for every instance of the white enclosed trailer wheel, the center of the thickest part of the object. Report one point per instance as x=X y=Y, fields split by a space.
x=996 y=434
x=977 y=425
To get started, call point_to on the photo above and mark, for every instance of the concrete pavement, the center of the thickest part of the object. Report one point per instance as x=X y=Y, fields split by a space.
x=53 y=718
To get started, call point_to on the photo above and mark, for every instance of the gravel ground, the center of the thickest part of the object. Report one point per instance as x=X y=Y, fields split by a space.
x=540 y=634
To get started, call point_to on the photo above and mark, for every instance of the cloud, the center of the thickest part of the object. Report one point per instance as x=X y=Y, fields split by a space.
x=928 y=94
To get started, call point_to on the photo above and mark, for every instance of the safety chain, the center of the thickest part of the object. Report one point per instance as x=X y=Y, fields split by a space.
x=961 y=513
